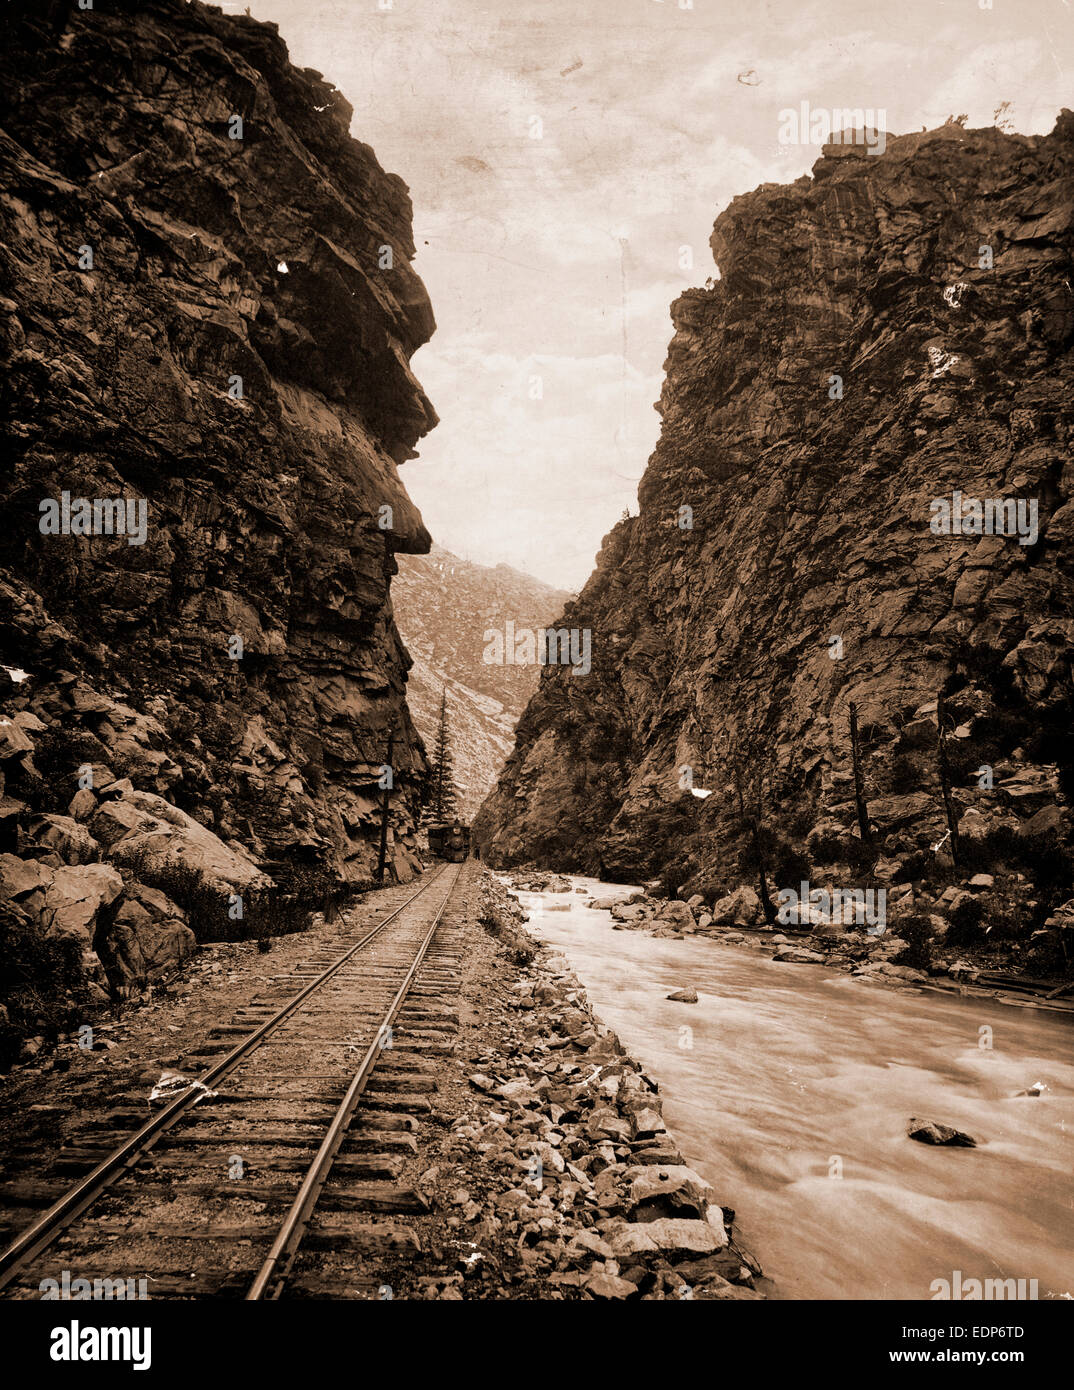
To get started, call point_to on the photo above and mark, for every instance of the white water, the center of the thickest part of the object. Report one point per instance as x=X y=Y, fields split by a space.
x=785 y=1069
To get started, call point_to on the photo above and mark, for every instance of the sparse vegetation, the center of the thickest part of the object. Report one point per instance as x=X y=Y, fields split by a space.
x=901 y=774
x=41 y=981
x=965 y=924
x=916 y=931
x=267 y=912
x=842 y=849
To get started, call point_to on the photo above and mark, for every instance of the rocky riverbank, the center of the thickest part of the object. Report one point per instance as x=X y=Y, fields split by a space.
x=590 y=1189
x=917 y=945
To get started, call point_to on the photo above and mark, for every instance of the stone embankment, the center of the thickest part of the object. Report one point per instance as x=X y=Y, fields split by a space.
x=587 y=1183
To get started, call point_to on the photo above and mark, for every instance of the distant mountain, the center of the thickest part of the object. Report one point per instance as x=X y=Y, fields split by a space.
x=443 y=608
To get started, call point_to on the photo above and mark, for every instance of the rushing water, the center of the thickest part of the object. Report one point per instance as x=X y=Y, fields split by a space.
x=784 y=1076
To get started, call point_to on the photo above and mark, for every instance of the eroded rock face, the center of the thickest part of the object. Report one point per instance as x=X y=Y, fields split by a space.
x=888 y=333
x=219 y=327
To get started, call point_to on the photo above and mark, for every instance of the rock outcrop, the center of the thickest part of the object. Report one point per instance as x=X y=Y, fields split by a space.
x=886 y=334
x=207 y=312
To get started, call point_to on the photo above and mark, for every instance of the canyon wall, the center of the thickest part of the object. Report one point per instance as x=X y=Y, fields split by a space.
x=207 y=313
x=881 y=335
x=208 y=304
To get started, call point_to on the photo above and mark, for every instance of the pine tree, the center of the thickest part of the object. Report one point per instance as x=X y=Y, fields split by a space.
x=443 y=795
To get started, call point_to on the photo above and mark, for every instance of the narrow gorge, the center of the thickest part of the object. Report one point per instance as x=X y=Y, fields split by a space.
x=389 y=912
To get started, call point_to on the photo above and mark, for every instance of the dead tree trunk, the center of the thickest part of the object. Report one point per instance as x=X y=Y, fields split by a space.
x=753 y=820
x=944 y=770
x=859 y=781
x=382 y=852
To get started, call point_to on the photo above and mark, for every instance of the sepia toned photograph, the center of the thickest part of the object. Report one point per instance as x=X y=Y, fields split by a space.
x=536 y=675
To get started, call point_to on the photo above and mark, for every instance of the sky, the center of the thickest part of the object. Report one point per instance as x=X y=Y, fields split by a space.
x=566 y=161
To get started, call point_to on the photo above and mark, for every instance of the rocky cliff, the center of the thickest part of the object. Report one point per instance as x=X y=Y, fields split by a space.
x=208 y=313
x=443 y=607
x=881 y=336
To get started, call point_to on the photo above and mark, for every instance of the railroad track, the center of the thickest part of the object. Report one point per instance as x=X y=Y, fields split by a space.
x=282 y=1161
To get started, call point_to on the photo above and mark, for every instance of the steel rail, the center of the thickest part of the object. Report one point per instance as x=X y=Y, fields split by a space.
x=278 y=1262
x=40 y=1235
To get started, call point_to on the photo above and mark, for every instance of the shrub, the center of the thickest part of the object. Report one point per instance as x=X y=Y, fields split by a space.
x=964 y=757
x=921 y=864
x=1047 y=958
x=205 y=905
x=801 y=821
x=901 y=774
x=41 y=979
x=300 y=890
x=675 y=874
x=916 y=931
x=841 y=849
x=1046 y=862
x=965 y=925
x=787 y=863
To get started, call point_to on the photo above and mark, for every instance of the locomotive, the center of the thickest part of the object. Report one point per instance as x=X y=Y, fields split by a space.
x=450 y=841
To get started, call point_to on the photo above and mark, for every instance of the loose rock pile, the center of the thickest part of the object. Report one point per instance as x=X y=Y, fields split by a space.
x=580 y=1177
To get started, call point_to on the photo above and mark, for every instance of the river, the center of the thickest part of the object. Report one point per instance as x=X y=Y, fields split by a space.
x=789 y=1088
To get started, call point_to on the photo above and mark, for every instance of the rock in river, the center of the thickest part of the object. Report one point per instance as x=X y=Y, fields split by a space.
x=929 y=1132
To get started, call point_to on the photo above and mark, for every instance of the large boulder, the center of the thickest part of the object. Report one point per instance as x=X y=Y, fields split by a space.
x=670 y=1235
x=66 y=837
x=140 y=823
x=148 y=940
x=676 y=912
x=83 y=804
x=75 y=896
x=798 y=955
x=657 y=1191
x=742 y=908
x=801 y=914
x=129 y=737
x=914 y=809
x=21 y=877
x=1047 y=818
x=14 y=741
x=631 y=912
x=1030 y=788
x=932 y=1132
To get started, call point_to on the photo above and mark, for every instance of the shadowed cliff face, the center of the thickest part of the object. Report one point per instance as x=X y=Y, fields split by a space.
x=887 y=333
x=235 y=352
